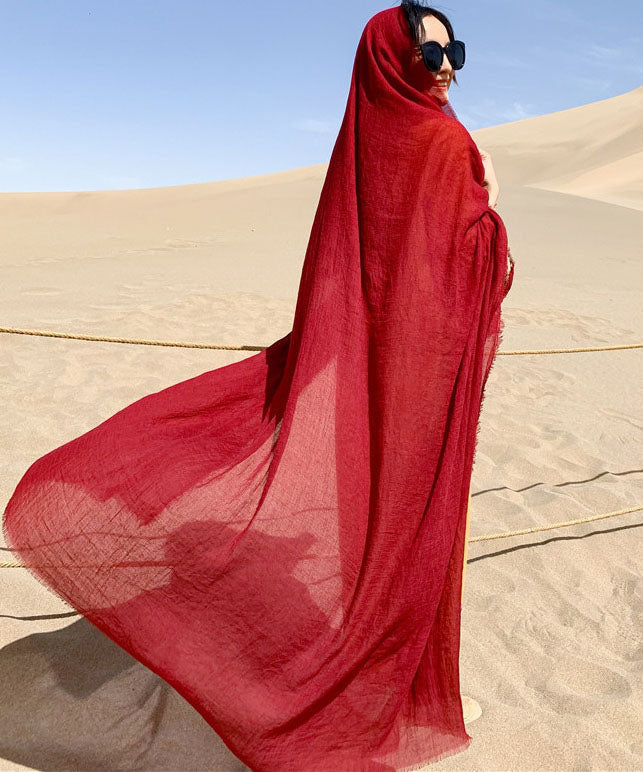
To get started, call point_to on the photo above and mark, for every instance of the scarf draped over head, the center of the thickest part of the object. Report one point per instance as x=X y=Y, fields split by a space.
x=281 y=539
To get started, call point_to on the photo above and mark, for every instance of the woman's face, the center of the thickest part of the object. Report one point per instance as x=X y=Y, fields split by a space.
x=438 y=82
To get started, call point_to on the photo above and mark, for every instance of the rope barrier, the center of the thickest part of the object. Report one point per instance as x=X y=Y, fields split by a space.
x=52 y=334
x=555 y=525
x=11 y=564
x=142 y=342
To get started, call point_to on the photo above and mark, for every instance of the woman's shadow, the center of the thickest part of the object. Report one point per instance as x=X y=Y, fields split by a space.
x=73 y=700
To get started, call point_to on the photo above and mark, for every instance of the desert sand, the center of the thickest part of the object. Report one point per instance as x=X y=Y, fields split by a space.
x=552 y=627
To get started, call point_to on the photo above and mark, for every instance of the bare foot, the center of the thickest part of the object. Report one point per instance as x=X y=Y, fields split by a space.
x=471 y=709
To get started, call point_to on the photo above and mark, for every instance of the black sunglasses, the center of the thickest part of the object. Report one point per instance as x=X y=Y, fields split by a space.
x=433 y=54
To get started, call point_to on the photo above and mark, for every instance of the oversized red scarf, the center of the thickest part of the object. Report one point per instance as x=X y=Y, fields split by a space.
x=281 y=539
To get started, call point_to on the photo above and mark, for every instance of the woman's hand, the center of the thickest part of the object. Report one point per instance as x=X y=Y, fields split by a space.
x=490 y=181
x=510 y=263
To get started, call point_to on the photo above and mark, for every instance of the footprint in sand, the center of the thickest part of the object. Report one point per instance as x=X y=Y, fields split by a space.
x=574 y=685
x=495 y=586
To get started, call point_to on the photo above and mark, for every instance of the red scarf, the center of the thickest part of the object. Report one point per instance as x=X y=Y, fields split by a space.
x=281 y=539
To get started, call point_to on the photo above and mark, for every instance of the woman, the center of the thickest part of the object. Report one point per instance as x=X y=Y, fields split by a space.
x=429 y=24
x=281 y=539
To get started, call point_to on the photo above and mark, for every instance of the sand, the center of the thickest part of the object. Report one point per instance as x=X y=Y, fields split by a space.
x=552 y=628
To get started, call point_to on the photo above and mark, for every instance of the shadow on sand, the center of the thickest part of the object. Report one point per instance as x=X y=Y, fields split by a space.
x=73 y=700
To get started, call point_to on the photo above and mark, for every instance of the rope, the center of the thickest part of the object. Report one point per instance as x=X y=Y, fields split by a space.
x=477 y=538
x=556 y=525
x=141 y=342
x=51 y=334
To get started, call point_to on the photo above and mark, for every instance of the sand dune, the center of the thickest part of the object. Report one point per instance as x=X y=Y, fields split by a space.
x=552 y=623
x=594 y=150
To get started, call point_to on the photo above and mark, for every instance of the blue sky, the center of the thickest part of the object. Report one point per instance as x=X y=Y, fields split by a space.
x=145 y=93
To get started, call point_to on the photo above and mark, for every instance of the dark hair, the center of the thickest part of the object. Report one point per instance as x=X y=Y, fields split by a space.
x=415 y=12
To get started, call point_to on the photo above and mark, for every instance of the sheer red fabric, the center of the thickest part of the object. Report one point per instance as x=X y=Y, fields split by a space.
x=281 y=539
